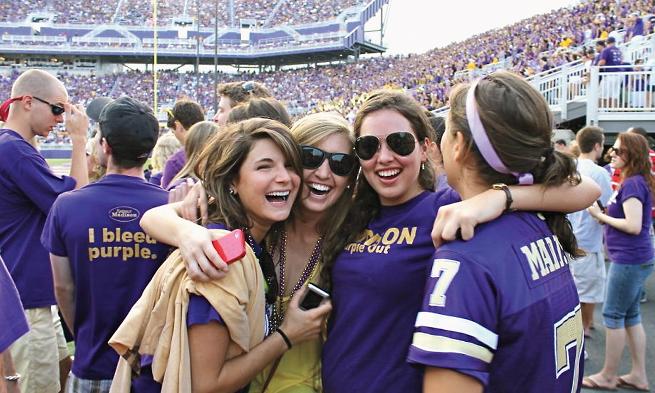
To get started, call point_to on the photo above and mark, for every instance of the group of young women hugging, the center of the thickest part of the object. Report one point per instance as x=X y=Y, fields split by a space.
x=352 y=210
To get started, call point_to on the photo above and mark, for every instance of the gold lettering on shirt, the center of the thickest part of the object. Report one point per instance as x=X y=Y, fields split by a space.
x=376 y=243
x=133 y=245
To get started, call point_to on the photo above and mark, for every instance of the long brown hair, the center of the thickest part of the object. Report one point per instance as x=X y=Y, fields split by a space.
x=518 y=124
x=635 y=155
x=366 y=203
x=219 y=164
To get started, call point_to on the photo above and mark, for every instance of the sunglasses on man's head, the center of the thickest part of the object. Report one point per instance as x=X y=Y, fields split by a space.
x=56 y=109
x=401 y=143
x=341 y=164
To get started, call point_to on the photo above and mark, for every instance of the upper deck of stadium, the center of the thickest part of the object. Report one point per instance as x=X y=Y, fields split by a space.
x=140 y=12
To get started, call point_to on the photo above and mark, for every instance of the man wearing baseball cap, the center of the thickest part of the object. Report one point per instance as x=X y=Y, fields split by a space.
x=28 y=189
x=101 y=258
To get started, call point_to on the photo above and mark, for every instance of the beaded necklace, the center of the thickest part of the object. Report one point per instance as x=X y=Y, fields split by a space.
x=267 y=266
x=278 y=310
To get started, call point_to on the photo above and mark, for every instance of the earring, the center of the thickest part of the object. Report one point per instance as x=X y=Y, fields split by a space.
x=423 y=166
x=232 y=191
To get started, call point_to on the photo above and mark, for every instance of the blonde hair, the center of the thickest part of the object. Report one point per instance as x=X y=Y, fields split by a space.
x=198 y=136
x=312 y=130
x=167 y=144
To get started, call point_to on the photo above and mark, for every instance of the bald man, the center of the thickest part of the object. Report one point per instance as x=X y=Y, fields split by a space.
x=28 y=188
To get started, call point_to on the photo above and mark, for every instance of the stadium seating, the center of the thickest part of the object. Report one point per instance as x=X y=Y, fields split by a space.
x=536 y=44
x=139 y=12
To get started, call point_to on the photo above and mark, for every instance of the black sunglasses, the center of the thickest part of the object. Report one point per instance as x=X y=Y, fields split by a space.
x=341 y=164
x=56 y=109
x=401 y=143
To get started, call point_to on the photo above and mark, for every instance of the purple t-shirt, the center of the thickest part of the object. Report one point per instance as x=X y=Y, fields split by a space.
x=28 y=189
x=377 y=287
x=112 y=260
x=12 y=323
x=623 y=247
x=172 y=167
x=501 y=302
x=613 y=57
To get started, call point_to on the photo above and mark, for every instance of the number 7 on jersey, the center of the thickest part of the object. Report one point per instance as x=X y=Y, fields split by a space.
x=444 y=270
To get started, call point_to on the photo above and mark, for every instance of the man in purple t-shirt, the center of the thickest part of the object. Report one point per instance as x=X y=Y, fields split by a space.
x=610 y=85
x=184 y=114
x=12 y=326
x=102 y=260
x=27 y=190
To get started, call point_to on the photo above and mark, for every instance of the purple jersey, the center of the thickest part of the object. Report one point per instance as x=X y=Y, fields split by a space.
x=111 y=258
x=624 y=247
x=12 y=323
x=376 y=293
x=28 y=189
x=501 y=302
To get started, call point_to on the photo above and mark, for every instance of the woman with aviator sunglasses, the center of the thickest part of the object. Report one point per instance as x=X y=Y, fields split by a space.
x=326 y=142
x=378 y=261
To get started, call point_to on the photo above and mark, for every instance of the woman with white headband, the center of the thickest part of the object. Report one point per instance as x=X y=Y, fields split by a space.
x=500 y=312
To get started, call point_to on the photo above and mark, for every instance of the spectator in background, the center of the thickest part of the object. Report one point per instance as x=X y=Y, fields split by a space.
x=627 y=234
x=562 y=140
x=234 y=93
x=266 y=108
x=635 y=26
x=589 y=270
x=12 y=326
x=434 y=150
x=88 y=268
x=197 y=138
x=27 y=190
x=166 y=146
x=184 y=114
x=611 y=56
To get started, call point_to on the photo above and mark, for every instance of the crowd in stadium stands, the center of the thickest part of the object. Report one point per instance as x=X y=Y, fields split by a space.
x=309 y=11
x=140 y=12
x=537 y=44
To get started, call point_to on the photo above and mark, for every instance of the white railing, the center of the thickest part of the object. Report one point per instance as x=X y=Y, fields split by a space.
x=563 y=86
x=613 y=92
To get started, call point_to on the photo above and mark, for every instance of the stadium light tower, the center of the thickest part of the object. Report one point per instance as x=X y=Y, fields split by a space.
x=197 y=43
x=216 y=57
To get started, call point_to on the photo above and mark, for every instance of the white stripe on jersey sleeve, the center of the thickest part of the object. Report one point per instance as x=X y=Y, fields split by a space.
x=458 y=325
x=440 y=344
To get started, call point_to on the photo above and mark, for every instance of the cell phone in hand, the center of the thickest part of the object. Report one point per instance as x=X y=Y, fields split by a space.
x=231 y=247
x=313 y=297
x=600 y=204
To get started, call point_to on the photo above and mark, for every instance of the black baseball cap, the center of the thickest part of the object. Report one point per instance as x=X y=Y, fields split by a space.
x=96 y=106
x=129 y=127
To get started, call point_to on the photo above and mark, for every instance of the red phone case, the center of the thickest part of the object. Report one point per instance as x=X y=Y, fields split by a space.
x=231 y=247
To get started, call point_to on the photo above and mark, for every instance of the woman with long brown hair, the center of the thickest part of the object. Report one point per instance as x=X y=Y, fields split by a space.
x=627 y=234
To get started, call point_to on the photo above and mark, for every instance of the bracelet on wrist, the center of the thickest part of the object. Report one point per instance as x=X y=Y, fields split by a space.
x=284 y=337
x=508 y=195
x=12 y=378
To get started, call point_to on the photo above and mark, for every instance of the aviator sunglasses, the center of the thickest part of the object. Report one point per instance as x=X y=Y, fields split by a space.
x=341 y=164
x=401 y=143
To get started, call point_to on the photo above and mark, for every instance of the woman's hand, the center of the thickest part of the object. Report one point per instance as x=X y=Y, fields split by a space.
x=178 y=193
x=458 y=220
x=594 y=210
x=300 y=325
x=195 y=198
x=201 y=259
